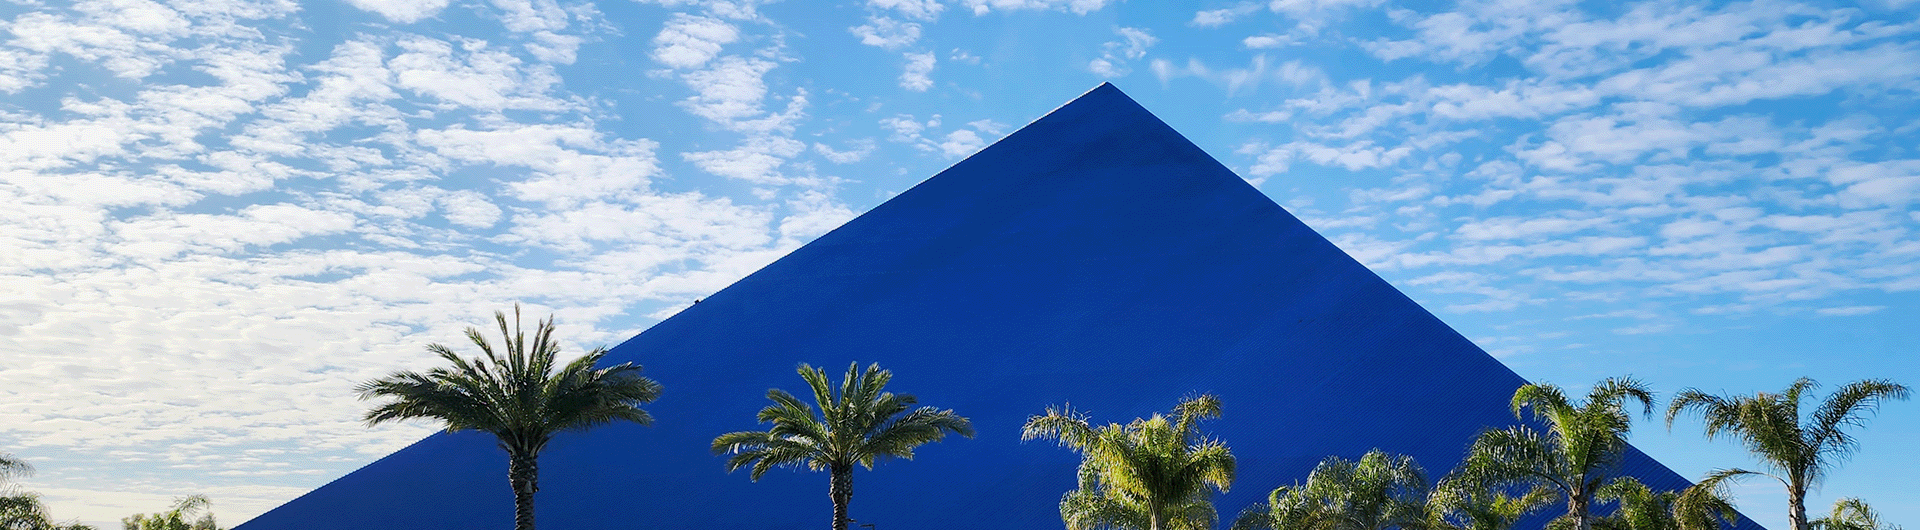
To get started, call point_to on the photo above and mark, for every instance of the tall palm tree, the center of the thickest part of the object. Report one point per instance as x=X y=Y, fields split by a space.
x=1462 y=505
x=1151 y=474
x=193 y=512
x=1852 y=514
x=1580 y=449
x=1378 y=491
x=856 y=425
x=522 y=395
x=1797 y=451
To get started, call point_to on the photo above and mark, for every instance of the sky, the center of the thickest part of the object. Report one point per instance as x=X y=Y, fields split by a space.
x=222 y=214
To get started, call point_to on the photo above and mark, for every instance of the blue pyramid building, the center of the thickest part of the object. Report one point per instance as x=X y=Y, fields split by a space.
x=1095 y=257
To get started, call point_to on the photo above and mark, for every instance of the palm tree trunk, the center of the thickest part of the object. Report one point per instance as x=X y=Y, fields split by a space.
x=1797 y=508
x=523 y=472
x=841 y=489
x=1578 y=506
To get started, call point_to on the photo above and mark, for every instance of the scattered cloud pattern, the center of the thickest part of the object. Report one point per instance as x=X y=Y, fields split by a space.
x=223 y=214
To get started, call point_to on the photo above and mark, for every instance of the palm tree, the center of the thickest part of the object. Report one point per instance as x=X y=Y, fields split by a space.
x=1578 y=452
x=1378 y=491
x=1150 y=474
x=12 y=467
x=1700 y=507
x=193 y=512
x=523 y=396
x=24 y=511
x=1852 y=514
x=1461 y=505
x=1797 y=452
x=856 y=425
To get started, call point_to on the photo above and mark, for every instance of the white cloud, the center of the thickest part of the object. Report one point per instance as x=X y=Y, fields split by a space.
x=1243 y=115
x=1526 y=227
x=689 y=41
x=476 y=75
x=1236 y=81
x=1116 y=54
x=568 y=163
x=731 y=89
x=813 y=213
x=528 y=16
x=401 y=11
x=857 y=152
x=1078 y=7
x=917 y=76
x=961 y=142
x=887 y=33
x=916 y=9
x=469 y=209
x=1848 y=311
x=1267 y=41
x=907 y=129
x=757 y=160
x=1213 y=18
x=1353 y=157
x=953 y=144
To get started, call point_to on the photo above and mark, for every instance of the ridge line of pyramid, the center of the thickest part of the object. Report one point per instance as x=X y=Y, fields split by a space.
x=1043 y=116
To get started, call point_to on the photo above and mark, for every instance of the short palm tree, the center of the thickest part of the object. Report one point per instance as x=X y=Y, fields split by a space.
x=24 y=511
x=1797 y=451
x=856 y=425
x=1151 y=474
x=1582 y=446
x=193 y=512
x=521 y=395
x=1852 y=514
x=1462 y=505
x=1377 y=492
x=1703 y=506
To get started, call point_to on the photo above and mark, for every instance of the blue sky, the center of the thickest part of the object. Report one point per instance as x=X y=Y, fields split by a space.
x=224 y=213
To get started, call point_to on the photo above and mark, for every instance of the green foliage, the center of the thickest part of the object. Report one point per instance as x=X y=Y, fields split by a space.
x=855 y=425
x=193 y=512
x=1458 y=504
x=24 y=511
x=523 y=396
x=12 y=467
x=1852 y=514
x=1583 y=444
x=1151 y=474
x=1701 y=507
x=1378 y=491
x=1797 y=451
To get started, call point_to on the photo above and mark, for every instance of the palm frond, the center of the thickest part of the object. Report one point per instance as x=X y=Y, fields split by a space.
x=1799 y=452
x=1851 y=513
x=1707 y=505
x=1848 y=407
x=1255 y=517
x=856 y=423
x=12 y=467
x=1514 y=455
x=1060 y=424
x=1155 y=468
